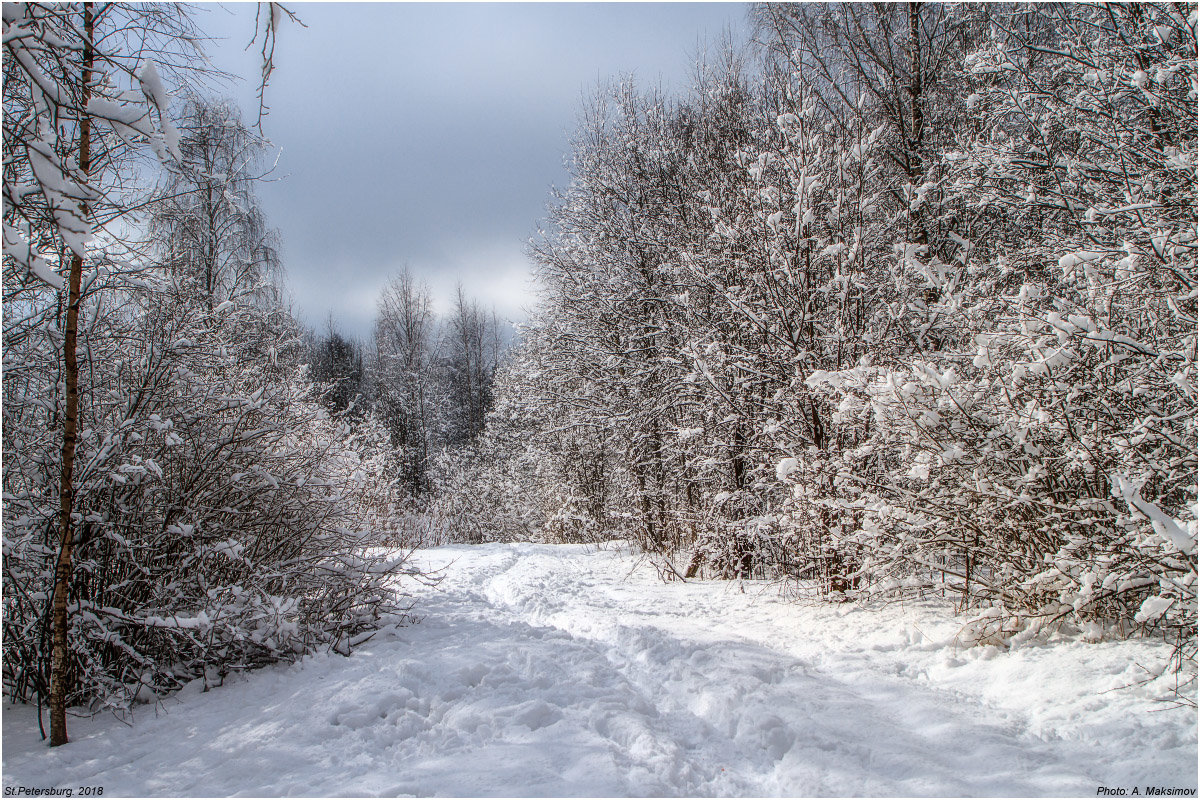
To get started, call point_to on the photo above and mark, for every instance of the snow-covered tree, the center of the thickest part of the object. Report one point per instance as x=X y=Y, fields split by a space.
x=207 y=221
x=404 y=378
x=79 y=101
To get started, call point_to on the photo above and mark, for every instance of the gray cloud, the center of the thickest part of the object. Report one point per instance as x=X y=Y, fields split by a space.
x=429 y=134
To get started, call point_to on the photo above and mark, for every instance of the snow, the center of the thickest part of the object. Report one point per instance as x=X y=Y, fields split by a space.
x=156 y=95
x=785 y=467
x=561 y=670
x=17 y=245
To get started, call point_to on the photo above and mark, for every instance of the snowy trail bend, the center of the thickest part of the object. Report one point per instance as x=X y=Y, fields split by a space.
x=698 y=711
x=541 y=670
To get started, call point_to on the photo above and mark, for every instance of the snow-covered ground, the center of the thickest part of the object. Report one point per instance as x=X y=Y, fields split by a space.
x=559 y=670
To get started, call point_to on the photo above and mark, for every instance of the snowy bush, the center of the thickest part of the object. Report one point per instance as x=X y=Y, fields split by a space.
x=225 y=519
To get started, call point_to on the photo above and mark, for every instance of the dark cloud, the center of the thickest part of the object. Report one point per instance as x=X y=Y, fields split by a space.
x=429 y=134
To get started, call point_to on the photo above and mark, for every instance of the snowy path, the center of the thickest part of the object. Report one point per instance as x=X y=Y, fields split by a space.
x=545 y=670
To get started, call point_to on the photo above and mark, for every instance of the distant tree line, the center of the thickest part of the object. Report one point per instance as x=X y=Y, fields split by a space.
x=425 y=381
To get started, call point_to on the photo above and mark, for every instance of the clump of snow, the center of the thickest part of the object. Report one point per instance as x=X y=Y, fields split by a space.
x=556 y=670
x=785 y=468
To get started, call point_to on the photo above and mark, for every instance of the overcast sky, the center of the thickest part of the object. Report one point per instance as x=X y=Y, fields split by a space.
x=429 y=134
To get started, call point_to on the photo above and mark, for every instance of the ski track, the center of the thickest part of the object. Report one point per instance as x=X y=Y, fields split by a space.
x=551 y=671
